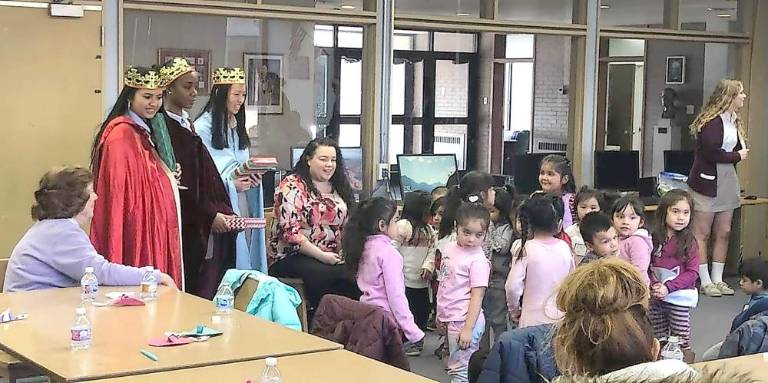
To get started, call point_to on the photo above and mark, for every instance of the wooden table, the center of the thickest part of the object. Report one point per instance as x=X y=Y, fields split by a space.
x=329 y=366
x=754 y=365
x=120 y=332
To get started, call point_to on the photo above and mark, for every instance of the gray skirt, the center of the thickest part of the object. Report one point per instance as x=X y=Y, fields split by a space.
x=728 y=192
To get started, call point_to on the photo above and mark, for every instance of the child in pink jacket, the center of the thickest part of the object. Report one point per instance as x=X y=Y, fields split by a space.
x=635 y=243
x=540 y=265
x=369 y=253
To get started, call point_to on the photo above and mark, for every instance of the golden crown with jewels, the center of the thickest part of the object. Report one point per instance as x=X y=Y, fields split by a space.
x=228 y=76
x=149 y=80
x=174 y=69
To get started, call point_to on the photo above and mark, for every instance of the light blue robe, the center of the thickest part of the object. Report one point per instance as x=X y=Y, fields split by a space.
x=227 y=160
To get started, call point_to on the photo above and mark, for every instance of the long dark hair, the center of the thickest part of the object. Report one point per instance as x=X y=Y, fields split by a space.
x=339 y=180
x=217 y=105
x=118 y=109
x=542 y=212
x=362 y=223
x=562 y=166
x=685 y=238
x=505 y=203
x=470 y=189
x=416 y=208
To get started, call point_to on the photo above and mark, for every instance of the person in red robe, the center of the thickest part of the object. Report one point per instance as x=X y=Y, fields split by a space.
x=136 y=218
x=207 y=240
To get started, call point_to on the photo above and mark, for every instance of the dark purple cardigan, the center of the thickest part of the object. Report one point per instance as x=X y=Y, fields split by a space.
x=709 y=153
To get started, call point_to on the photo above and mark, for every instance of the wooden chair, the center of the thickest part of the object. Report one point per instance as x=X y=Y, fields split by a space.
x=11 y=368
x=298 y=284
x=244 y=294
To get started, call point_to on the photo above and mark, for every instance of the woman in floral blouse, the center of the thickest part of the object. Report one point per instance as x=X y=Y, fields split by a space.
x=311 y=207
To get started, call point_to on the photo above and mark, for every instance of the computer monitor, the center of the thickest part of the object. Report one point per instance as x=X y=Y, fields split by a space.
x=678 y=161
x=617 y=170
x=353 y=160
x=524 y=169
x=425 y=171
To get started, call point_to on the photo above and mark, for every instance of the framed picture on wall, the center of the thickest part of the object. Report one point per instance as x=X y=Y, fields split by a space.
x=264 y=82
x=676 y=70
x=200 y=59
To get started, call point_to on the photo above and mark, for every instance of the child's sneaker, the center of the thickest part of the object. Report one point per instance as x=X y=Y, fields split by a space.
x=442 y=350
x=414 y=349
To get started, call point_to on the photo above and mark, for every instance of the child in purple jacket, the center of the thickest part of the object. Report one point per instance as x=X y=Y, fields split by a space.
x=674 y=268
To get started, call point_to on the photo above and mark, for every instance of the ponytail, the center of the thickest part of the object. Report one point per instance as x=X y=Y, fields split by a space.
x=362 y=223
x=469 y=189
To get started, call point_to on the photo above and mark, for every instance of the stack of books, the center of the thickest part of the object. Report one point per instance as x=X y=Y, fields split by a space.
x=246 y=223
x=256 y=165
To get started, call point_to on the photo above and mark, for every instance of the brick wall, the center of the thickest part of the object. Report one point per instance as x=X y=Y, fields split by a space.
x=550 y=105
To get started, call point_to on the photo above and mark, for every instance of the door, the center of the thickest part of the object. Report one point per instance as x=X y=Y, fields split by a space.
x=51 y=103
x=620 y=118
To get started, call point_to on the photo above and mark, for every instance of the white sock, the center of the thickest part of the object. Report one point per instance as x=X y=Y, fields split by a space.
x=704 y=274
x=717 y=271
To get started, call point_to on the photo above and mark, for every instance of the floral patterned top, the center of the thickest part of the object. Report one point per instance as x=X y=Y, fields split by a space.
x=302 y=216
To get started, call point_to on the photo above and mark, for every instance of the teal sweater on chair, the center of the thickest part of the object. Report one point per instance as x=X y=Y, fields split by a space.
x=273 y=300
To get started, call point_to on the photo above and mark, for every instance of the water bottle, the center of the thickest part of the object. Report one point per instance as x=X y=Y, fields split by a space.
x=90 y=286
x=672 y=349
x=271 y=373
x=80 y=333
x=224 y=299
x=148 y=284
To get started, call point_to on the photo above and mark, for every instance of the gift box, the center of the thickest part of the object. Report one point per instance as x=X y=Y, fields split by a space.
x=256 y=165
x=246 y=223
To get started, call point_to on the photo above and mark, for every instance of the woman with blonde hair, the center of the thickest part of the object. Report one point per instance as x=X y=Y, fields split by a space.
x=720 y=145
x=606 y=330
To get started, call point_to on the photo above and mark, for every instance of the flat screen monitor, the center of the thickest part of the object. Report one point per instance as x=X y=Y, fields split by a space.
x=617 y=170
x=425 y=171
x=524 y=169
x=353 y=160
x=678 y=161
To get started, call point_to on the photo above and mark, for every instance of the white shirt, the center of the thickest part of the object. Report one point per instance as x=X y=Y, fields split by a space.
x=730 y=132
x=183 y=120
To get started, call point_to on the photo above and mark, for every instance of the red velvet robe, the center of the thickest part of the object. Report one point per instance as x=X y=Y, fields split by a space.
x=205 y=196
x=135 y=219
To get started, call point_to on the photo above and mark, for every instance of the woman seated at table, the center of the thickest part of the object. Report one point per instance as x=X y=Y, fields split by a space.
x=311 y=208
x=56 y=250
x=606 y=330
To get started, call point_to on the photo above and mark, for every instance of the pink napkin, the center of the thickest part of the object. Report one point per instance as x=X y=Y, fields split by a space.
x=125 y=300
x=165 y=341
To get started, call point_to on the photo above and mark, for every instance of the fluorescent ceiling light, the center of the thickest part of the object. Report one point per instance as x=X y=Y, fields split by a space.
x=604 y=6
x=724 y=15
x=347 y=6
x=462 y=14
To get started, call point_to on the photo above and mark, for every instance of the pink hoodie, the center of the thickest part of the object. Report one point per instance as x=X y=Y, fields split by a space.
x=637 y=249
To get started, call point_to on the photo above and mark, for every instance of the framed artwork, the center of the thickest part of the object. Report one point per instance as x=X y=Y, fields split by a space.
x=264 y=82
x=200 y=59
x=676 y=70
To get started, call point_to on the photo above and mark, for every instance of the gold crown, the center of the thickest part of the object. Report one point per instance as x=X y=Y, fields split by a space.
x=228 y=76
x=175 y=69
x=150 y=80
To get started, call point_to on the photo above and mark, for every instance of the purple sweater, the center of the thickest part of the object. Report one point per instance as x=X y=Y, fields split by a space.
x=709 y=153
x=380 y=278
x=687 y=272
x=55 y=253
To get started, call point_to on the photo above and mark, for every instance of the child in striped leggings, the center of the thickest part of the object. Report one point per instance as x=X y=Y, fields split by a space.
x=674 y=268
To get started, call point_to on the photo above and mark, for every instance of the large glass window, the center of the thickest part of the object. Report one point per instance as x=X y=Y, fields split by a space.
x=300 y=83
x=451 y=8
x=651 y=90
x=555 y=11
x=712 y=16
x=632 y=13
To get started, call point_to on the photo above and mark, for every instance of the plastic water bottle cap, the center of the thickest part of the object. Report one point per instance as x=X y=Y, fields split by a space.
x=89 y=269
x=149 y=268
x=80 y=311
x=271 y=362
